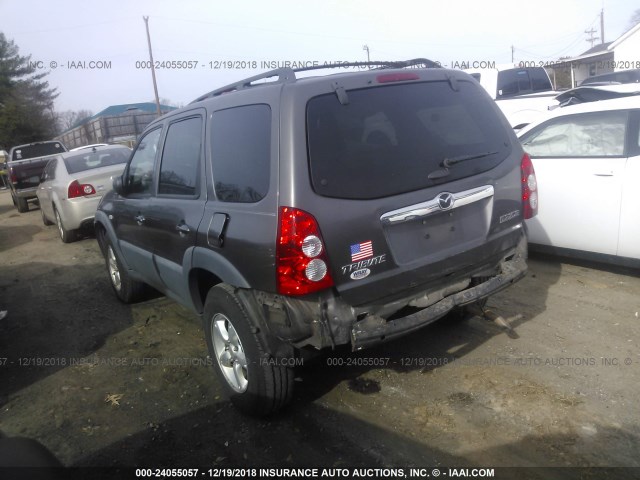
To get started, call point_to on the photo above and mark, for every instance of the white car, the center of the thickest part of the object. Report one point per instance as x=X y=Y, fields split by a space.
x=587 y=162
x=73 y=184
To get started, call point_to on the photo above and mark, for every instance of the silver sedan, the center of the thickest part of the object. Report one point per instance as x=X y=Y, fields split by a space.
x=73 y=183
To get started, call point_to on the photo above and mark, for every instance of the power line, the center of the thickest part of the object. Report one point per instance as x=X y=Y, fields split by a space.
x=592 y=39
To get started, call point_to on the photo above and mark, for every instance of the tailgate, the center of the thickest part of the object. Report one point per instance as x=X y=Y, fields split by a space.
x=416 y=186
x=390 y=253
x=440 y=227
x=26 y=173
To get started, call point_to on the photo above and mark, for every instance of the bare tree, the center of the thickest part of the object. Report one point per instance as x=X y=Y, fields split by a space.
x=70 y=119
x=169 y=103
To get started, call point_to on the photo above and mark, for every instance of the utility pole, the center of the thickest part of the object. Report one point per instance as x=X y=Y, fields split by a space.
x=602 y=26
x=366 y=47
x=591 y=39
x=153 y=70
x=512 y=52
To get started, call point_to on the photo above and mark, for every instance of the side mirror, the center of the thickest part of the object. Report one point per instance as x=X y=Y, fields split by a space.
x=118 y=185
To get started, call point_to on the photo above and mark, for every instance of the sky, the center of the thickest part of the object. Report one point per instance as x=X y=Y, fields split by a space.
x=96 y=51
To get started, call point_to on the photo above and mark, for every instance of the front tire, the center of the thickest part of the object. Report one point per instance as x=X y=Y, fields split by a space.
x=67 y=236
x=126 y=289
x=253 y=381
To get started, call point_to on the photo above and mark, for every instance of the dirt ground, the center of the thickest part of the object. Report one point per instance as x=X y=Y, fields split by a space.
x=104 y=384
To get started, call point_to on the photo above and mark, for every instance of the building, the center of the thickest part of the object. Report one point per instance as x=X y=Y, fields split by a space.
x=621 y=54
x=115 y=124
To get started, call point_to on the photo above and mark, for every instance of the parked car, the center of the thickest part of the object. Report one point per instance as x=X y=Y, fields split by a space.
x=300 y=214
x=73 y=183
x=622 y=76
x=26 y=163
x=524 y=94
x=587 y=161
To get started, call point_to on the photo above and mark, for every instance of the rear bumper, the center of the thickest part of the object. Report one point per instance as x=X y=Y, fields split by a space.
x=373 y=330
x=79 y=212
x=327 y=320
x=27 y=193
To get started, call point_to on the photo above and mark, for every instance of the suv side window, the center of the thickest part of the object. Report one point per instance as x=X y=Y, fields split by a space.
x=598 y=134
x=241 y=153
x=181 y=158
x=139 y=179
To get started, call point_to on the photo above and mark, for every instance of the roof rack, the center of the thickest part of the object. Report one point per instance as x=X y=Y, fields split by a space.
x=287 y=75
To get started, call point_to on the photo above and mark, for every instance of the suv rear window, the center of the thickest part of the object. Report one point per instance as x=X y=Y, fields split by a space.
x=387 y=140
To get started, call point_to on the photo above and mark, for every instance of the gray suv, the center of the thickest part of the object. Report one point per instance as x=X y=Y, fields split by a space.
x=299 y=214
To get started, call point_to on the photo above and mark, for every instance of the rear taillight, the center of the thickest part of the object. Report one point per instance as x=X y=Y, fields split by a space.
x=301 y=261
x=76 y=189
x=529 y=187
x=13 y=177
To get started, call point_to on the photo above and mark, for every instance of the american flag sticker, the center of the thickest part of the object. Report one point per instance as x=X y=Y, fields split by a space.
x=361 y=250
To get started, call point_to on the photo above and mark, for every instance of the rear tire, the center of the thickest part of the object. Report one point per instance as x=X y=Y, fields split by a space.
x=67 y=236
x=126 y=289
x=22 y=204
x=253 y=381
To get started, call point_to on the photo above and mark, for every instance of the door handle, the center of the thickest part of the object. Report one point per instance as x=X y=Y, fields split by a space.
x=139 y=219
x=183 y=229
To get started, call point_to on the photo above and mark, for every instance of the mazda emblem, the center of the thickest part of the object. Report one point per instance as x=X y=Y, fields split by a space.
x=445 y=201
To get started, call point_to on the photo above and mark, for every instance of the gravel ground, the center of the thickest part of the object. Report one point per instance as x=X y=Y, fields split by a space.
x=104 y=384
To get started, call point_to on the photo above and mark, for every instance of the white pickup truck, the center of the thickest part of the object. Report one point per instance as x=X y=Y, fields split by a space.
x=524 y=94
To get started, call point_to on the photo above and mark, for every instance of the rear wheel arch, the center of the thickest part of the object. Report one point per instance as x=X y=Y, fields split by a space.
x=210 y=268
x=201 y=281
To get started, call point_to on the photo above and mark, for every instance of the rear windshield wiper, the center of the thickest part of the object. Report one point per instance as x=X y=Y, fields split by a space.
x=448 y=162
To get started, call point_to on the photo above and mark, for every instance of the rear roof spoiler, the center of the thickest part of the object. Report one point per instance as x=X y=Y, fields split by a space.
x=288 y=75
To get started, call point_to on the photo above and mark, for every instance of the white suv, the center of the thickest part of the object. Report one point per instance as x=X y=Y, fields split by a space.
x=587 y=162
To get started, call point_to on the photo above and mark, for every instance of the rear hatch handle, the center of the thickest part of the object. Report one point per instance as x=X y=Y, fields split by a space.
x=443 y=201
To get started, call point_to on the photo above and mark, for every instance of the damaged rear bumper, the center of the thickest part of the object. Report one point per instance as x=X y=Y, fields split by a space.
x=373 y=329
x=326 y=320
